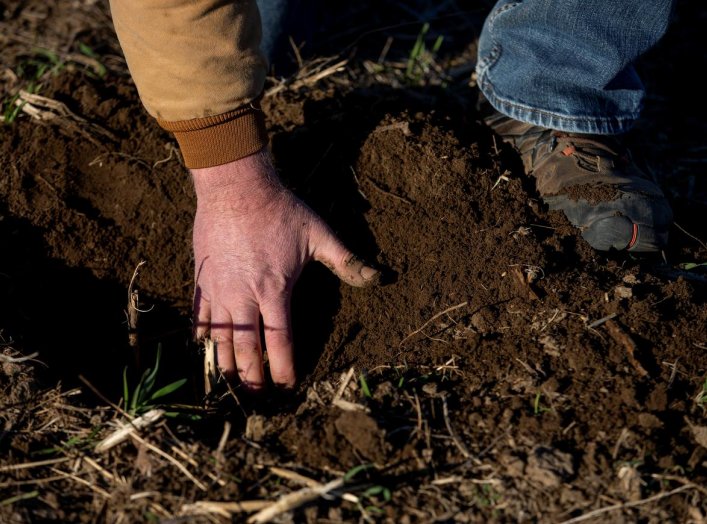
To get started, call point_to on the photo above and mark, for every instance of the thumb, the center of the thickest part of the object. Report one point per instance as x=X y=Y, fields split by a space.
x=330 y=251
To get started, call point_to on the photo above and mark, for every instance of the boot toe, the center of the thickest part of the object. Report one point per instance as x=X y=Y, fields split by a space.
x=633 y=222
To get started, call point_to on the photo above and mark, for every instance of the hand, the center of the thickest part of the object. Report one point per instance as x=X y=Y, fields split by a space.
x=252 y=238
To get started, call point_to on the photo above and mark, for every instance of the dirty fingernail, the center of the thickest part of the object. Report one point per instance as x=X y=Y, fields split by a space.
x=369 y=273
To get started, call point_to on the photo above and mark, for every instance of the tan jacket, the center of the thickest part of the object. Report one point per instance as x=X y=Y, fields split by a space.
x=199 y=71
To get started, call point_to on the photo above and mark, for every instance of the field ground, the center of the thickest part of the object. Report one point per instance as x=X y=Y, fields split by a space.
x=505 y=372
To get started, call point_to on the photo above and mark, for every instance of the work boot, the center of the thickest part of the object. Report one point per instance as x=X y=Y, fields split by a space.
x=593 y=180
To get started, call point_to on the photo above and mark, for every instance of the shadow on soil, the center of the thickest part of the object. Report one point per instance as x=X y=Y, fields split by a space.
x=74 y=320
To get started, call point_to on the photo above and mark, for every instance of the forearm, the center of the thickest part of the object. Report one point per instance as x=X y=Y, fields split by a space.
x=199 y=71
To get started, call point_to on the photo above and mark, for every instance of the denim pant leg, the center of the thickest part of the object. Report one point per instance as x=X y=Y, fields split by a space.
x=567 y=64
x=272 y=17
x=280 y=20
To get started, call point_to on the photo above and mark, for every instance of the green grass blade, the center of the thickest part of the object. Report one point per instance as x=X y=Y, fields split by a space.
x=417 y=49
x=99 y=68
x=51 y=56
x=356 y=470
x=687 y=266
x=139 y=394
x=150 y=380
x=126 y=389
x=17 y=498
x=169 y=388
x=437 y=44
x=12 y=110
x=364 y=386
x=373 y=491
x=86 y=50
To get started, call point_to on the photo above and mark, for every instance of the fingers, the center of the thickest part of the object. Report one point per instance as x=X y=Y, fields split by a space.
x=222 y=335
x=278 y=340
x=331 y=252
x=237 y=337
x=246 y=344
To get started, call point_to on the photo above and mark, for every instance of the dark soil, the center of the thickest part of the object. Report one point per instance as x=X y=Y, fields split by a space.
x=504 y=371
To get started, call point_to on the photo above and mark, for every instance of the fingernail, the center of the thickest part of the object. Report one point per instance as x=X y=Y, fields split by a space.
x=369 y=273
x=253 y=388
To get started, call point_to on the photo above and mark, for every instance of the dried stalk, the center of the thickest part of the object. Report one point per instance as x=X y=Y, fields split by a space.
x=210 y=371
x=293 y=501
x=49 y=111
x=129 y=429
x=133 y=314
x=432 y=319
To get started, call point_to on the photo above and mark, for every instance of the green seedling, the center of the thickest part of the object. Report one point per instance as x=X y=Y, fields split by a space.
x=99 y=69
x=35 y=70
x=144 y=395
x=421 y=59
x=10 y=109
x=31 y=72
x=486 y=496
x=689 y=266
x=17 y=498
x=373 y=496
x=77 y=442
x=42 y=63
x=374 y=491
x=364 y=386
x=538 y=409
x=400 y=374
x=701 y=397
x=350 y=474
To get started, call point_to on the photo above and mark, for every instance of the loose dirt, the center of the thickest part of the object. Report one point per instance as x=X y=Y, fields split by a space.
x=503 y=371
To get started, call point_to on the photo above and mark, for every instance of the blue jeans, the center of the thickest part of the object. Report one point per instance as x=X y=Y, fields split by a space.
x=562 y=64
x=272 y=16
x=567 y=64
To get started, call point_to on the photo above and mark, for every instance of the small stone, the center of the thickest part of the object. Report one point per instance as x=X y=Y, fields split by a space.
x=430 y=389
x=699 y=433
x=623 y=292
x=631 y=280
x=255 y=428
x=630 y=482
x=383 y=391
x=550 y=345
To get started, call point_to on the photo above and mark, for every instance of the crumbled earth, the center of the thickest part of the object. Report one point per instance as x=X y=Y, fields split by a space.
x=502 y=372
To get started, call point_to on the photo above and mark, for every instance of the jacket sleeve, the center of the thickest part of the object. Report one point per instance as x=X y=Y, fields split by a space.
x=199 y=71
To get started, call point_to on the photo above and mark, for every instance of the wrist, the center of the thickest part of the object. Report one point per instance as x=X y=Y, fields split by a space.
x=247 y=180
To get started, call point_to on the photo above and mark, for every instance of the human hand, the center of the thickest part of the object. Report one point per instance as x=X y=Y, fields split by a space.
x=252 y=238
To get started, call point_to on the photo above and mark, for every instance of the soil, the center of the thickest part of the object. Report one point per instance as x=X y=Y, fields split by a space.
x=503 y=371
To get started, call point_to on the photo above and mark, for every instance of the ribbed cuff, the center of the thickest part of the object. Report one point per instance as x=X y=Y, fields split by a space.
x=220 y=139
